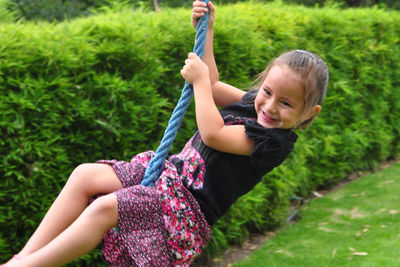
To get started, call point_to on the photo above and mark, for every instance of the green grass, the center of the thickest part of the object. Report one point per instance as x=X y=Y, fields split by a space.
x=357 y=225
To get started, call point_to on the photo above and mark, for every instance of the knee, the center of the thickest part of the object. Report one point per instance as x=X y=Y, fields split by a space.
x=82 y=178
x=105 y=210
x=82 y=169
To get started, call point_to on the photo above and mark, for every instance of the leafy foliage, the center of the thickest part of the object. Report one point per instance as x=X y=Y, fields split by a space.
x=50 y=9
x=59 y=10
x=5 y=14
x=348 y=3
x=104 y=87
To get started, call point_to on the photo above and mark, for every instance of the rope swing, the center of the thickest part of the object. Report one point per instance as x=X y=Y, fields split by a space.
x=156 y=163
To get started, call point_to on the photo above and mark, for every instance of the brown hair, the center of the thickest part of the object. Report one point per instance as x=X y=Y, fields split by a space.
x=311 y=68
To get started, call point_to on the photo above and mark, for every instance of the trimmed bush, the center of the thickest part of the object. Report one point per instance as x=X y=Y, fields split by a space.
x=105 y=86
x=6 y=15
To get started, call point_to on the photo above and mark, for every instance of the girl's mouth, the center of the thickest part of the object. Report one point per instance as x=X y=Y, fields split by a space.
x=267 y=118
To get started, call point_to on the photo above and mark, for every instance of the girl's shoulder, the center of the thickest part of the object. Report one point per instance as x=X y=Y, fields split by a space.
x=271 y=146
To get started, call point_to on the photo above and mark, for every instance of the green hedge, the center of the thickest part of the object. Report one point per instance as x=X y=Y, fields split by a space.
x=105 y=86
x=59 y=10
x=6 y=15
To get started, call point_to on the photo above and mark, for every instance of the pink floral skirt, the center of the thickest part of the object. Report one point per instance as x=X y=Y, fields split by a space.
x=158 y=226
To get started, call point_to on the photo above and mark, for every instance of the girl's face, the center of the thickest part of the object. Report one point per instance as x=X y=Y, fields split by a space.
x=280 y=101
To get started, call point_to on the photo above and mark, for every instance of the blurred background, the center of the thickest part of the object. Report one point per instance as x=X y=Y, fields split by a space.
x=58 y=10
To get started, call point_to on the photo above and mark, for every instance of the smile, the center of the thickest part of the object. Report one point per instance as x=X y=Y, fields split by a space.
x=268 y=118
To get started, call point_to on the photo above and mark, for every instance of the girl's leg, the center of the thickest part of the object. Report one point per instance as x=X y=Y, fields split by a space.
x=79 y=238
x=85 y=181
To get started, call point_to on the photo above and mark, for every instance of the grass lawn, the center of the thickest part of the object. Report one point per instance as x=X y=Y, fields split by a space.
x=357 y=225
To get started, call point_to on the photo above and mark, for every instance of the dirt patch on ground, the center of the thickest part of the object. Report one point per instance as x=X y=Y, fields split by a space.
x=236 y=253
x=255 y=241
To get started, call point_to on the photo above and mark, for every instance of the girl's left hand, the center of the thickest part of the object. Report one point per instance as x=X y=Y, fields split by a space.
x=199 y=8
x=194 y=69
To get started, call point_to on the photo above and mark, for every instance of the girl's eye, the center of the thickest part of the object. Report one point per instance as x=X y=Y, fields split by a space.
x=286 y=104
x=267 y=92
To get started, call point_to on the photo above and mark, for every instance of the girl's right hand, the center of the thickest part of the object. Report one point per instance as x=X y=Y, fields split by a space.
x=199 y=8
x=195 y=69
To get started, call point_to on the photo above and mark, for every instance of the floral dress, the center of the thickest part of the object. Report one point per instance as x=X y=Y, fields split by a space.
x=161 y=225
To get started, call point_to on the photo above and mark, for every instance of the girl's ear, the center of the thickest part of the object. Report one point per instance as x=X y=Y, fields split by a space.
x=315 y=110
x=306 y=119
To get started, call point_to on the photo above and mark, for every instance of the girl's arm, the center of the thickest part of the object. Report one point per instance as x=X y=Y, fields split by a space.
x=213 y=132
x=223 y=94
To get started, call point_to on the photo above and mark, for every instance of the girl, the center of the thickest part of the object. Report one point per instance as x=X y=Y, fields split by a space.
x=169 y=224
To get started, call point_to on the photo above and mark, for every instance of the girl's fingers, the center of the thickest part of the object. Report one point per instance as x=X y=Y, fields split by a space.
x=197 y=15
x=190 y=59
x=199 y=7
x=199 y=10
x=192 y=55
x=199 y=3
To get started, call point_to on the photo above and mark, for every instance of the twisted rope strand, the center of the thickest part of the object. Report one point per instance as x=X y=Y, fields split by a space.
x=156 y=163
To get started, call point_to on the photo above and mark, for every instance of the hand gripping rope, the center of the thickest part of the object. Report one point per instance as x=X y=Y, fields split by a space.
x=156 y=163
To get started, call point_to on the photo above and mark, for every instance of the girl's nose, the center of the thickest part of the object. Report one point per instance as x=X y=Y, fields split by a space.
x=271 y=106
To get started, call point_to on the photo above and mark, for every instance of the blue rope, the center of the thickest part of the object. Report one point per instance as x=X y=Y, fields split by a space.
x=156 y=163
